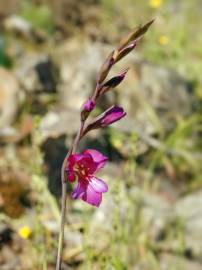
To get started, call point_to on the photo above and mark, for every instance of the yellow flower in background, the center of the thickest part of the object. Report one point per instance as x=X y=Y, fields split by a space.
x=25 y=232
x=155 y=3
x=163 y=40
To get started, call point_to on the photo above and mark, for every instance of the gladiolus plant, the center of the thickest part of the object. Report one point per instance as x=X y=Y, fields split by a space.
x=83 y=167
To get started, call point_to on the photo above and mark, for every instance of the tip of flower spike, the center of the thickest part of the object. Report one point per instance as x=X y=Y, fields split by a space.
x=134 y=35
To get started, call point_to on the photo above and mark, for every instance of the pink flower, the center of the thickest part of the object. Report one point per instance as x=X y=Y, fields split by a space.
x=89 y=105
x=84 y=166
x=111 y=115
x=108 y=117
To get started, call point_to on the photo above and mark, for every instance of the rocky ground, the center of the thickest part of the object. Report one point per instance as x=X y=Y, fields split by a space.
x=151 y=217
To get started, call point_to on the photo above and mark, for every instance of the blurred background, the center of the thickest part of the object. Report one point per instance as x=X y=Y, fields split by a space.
x=50 y=52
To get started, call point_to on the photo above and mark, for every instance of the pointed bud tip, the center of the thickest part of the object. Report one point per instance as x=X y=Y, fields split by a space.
x=115 y=81
x=113 y=114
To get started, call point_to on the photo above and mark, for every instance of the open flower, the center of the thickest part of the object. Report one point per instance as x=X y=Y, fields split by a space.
x=163 y=40
x=25 y=232
x=155 y=3
x=84 y=166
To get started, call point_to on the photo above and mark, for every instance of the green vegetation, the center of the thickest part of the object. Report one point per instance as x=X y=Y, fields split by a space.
x=39 y=16
x=5 y=61
x=174 y=41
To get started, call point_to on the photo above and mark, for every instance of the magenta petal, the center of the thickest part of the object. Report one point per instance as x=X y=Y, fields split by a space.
x=79 y=191
x=73 y=159
x=98 y=185
x=70 y=175
x=88 y=163
x=98 y=157
x=89 y=105
x=92 y=197
x=107 y=118
x=112 y=115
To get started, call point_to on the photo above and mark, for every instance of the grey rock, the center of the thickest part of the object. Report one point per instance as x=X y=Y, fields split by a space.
x=78 y=67
x=128 y=206
x=9 y=98
x=36 y=72
x=17 y=25
x=168 y=261
x=154 y=97
x=55 y=123
x=155 y=212
x=190 y=206
x=189 y=210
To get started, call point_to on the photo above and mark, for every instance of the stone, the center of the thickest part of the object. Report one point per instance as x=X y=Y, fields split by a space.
x=129 y=205
x=155 y=97
x=36 y=73
x=9 y=98
x=18 y=25
x=78 y=68
x=57 y=123
x=169 y=261
x=189 y=211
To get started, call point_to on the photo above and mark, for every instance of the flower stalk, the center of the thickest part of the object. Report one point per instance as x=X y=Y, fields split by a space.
x=84 y=166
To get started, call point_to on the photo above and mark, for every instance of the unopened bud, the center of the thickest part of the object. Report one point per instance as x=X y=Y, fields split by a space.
x=87 y=108
x=105 y=68
x=107 y=118
x=134 y=35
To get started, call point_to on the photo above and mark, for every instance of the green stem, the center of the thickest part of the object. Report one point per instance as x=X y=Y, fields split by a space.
x=64 y=195
x=63 y=215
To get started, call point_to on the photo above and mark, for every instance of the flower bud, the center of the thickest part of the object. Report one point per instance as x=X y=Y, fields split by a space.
x=124 y=52
x=113 y=82
x=88 y=106
x=134 y=35
x=105 y=68
x=107 y=118
x=111 y=115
